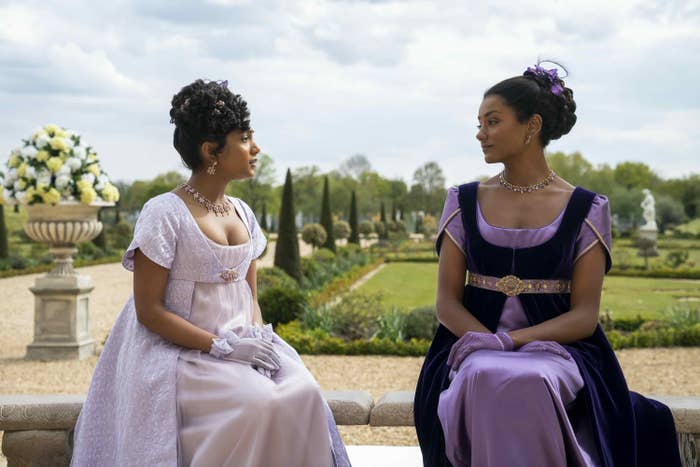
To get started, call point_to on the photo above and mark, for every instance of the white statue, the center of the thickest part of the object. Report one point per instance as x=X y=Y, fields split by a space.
x=649 y=212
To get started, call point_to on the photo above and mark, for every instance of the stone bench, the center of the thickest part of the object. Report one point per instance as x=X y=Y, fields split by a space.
x=37 y=428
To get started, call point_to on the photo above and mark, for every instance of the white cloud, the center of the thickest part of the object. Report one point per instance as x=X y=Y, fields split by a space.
x=399 y=81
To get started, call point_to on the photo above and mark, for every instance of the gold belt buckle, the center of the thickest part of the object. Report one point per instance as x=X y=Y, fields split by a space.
x=510 y=285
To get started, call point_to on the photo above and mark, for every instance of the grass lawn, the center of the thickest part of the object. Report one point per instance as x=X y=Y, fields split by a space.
x=410 y=285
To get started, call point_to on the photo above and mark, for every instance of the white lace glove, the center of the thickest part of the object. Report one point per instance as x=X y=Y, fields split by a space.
x=250 y=350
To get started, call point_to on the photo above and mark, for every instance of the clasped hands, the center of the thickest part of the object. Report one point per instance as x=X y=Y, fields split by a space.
x=250 y=345
x=473 y=341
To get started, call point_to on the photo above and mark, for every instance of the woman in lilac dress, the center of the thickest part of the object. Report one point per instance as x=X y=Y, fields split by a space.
x=519 y=372
x=189 y=375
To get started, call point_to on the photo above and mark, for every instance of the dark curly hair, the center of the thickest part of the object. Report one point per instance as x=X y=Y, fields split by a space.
x=531 y=94
x=205 y=111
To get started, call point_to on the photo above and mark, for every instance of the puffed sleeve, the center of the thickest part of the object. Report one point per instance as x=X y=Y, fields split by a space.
x=596 y=228
x=155 y=233
x=257 y=237
x=451 y=221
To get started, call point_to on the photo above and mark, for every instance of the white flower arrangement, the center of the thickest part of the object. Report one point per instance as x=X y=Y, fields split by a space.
x=55 y=165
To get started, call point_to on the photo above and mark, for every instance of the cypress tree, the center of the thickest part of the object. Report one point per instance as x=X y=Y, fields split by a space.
x=263 y=220
x=354 y=232
x=4 y=253
x=382 y=217
x=393 y=211
x=287 y=250
x=326 y=217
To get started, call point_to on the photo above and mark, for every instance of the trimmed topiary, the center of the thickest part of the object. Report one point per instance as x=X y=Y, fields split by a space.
x=327 y=217
x=287 y=249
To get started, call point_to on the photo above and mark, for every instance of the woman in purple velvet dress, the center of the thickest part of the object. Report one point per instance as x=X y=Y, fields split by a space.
x=519 y=372
x=189 y=375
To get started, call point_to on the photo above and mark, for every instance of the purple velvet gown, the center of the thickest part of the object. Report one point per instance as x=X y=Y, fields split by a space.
x=512 y=406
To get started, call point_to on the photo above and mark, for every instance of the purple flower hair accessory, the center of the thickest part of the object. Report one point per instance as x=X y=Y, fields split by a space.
x=550 y=76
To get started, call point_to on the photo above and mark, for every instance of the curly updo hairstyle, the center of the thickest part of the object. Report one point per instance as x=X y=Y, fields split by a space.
x=532 y=94
x=205 y=111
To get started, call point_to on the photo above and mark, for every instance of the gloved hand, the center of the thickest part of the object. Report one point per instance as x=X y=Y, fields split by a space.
x=473 y=341
x=546 y=346
x=251 y=350
x=266 y=334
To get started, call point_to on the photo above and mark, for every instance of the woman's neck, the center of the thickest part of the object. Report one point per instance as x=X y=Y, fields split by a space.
x=210 y=186
x=526 y=170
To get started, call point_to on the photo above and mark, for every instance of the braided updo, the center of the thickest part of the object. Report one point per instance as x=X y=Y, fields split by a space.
x=532 y=94
x=205 y=111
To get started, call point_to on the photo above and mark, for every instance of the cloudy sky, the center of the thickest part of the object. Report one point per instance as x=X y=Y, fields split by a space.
x=398 y=81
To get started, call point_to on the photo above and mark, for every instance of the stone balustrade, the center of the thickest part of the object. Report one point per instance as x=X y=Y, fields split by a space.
x=37 y=429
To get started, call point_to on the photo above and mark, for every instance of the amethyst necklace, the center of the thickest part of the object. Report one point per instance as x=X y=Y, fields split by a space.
x=522 y=189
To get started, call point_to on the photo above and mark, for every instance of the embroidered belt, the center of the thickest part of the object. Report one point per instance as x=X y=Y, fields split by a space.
x=513 y=285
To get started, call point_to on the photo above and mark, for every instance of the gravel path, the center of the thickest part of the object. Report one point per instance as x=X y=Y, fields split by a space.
x=672 y=371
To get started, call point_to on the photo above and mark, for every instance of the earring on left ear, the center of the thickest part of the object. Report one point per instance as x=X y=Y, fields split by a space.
x=527 y=140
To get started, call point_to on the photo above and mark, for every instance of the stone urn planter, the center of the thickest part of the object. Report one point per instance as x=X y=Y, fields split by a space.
x=62 y=302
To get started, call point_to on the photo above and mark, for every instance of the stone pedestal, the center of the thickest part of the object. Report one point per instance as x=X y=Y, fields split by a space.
x=647 y=242
x=61 y=319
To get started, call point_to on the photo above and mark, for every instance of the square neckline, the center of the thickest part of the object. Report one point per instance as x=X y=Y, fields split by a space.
x=549 y=240
x=204 y=236
x=557 y=219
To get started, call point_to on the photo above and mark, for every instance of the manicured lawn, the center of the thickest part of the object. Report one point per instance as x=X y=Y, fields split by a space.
x=410 y=285
x=405 y=285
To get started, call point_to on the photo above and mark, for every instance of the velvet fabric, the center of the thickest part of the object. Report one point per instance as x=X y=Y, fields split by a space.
x=623 y=422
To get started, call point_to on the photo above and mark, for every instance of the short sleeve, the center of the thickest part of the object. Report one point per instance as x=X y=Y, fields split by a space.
x=155 y=233
x=451 y=221
x=257 y=237
x=596 y=228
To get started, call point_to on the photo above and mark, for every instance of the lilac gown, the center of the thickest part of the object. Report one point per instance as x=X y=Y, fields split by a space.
x=511 y=406
x=152 y=402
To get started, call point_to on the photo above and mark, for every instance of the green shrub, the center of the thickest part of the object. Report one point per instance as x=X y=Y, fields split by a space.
x=341 y=229
x=281 y=304
x=324 y=255
x=421 y=323
x=355 y=316
x=89 y=250
x=314 y=235
x=391 y=325
x=119 y=235
x=683 y=316
x=275 y=277
x=677 y=258
x=366 y=228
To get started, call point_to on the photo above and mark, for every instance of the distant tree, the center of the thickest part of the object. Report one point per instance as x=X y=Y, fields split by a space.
x=355 y=166
x=341 y=230
x=635 y=175
x=259 y=189
x=573 y=168
x=669 y=212
x=687 y=191
x=327 y=217
x=4 y=251
x=263 y=217
x=287 y=249
x=428 y=190
x=308 y=189
x=354 y=232
x=314 y=235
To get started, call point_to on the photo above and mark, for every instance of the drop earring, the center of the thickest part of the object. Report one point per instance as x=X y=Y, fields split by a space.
x=527 y=140
x=211 y=170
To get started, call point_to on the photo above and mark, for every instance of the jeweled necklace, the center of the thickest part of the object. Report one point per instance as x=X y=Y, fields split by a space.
x=219 y=209
x=527 y=188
